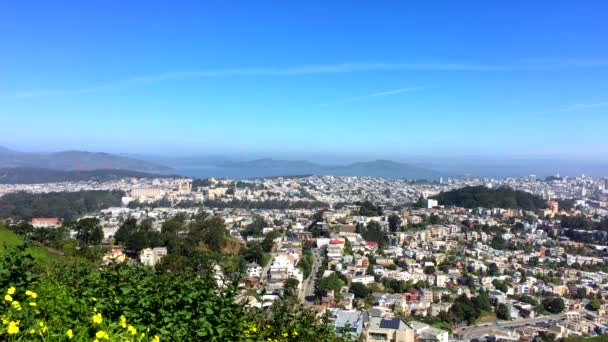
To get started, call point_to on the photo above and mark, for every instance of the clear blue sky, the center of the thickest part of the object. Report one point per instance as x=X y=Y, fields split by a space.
x=493 y=78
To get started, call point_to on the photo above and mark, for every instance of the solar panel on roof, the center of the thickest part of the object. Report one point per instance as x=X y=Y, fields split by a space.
x=390 y=323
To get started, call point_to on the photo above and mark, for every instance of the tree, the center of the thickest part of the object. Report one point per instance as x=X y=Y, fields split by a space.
x=136 y=237
x=502 y=311
x=500 y=285
x=367 y=208
x=254 y=253
x=429 y=270
x=594 y=304
x=207 y=230
x=331 y=282
x=374 y=232
x=394 y=222
x=359 y=290
x=268 y=242
x=88 y=231
x=290 y=286
x=493 y=269
x=554 y=305
x=254 y=228
x=523 y=277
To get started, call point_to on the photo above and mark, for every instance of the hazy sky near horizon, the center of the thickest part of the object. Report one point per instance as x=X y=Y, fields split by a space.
x=370 y=77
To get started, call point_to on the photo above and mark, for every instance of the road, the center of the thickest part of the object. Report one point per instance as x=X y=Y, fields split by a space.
x=307 y=290
x=264 y=276
x=468 y=332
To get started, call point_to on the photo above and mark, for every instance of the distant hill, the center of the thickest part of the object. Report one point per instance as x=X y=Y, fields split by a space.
x=375 y=168
x=76 y=161
x=23 y=175
x=481 y=196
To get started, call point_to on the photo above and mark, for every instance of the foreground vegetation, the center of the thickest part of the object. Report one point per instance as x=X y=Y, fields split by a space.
x=73 y=299
x=192 y=295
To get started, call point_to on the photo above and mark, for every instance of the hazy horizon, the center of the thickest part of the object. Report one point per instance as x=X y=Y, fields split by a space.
x=204 y=165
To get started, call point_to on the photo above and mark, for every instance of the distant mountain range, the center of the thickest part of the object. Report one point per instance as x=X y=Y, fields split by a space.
x=23 y=175
x=375 y=168
x=76 y=161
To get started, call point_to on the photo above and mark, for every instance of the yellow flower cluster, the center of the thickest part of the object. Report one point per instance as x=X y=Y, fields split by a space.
x=97 y=319
x=103 y=331
x=13 y=328
x=267 y=329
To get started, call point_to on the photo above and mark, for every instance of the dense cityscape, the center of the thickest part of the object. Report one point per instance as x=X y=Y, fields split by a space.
x=382 y=259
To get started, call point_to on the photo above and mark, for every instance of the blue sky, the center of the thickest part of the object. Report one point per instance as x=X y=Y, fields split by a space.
x=376 y=78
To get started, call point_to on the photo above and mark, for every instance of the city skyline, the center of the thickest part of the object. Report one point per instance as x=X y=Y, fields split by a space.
x=372 y=81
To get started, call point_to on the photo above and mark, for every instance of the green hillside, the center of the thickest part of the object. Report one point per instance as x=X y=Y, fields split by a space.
x=481 y=196
x=10 y=239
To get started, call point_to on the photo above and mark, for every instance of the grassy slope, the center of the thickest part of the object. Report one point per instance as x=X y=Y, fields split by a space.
x=11 y=239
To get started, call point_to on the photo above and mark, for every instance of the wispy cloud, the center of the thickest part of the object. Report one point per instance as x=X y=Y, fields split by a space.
x=340 y=68
x=555 y=63
x=320 y=69
x=583 y=106
x=265 y=71
x=383 y=93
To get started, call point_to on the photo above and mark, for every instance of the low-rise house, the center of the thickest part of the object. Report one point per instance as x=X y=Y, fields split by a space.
x=253 y=270
x=393 y=330
x=426 y=333
x=347 y=321
x=152 y=256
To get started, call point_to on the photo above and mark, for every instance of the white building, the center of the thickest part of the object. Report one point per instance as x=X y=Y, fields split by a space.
x=253 y=270
x=152 y=256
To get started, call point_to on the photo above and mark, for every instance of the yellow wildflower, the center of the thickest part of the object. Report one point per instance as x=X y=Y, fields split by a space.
x=69 y=333
x=41 y=324
x=12 y=328
x=156 y=338
x=295 y=333
x=102 y=335
x=11 y=290
x=285 y=334
x=31 y=294
x=97 y=319
x=16 y=305
x=32 y=304
x=143 y=334
x=132 y=330
x=94 y=299
x=123 y=321
x=8 y=298
x=32 y=331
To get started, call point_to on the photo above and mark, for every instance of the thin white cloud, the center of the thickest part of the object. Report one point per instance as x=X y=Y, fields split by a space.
x=535 y=64
x=553 y=63
x=583 y=106
x=271 y=71
x=384 y=93
x=319 y=69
